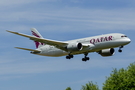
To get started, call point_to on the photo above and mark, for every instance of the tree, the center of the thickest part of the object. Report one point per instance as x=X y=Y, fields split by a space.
x=122 y=79
x=68 y=88
x=90 y=86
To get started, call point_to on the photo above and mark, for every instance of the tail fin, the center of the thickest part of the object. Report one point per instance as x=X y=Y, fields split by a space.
x=37 y=34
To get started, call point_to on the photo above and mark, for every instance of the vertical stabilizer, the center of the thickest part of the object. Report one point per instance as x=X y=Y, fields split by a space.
x=37 y=34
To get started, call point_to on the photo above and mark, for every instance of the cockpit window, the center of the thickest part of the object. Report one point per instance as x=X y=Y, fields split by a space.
x=124 y=36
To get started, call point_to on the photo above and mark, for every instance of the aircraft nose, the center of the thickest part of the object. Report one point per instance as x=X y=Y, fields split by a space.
x=127 y=40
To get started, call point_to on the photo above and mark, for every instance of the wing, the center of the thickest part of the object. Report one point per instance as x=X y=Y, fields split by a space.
x=58 y=44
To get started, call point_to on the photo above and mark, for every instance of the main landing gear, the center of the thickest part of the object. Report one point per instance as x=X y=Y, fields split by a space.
x=85 y=57
x=120 y=49
x=69 y=56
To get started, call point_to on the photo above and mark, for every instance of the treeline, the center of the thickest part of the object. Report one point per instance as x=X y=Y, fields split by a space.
x=122 y=79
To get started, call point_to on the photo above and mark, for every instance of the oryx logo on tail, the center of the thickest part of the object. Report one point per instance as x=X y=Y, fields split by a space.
x=37 y=34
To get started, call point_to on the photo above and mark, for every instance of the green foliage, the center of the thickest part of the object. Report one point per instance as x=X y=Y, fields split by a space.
x=123 y=79
x=68 y=88
x=90 y=86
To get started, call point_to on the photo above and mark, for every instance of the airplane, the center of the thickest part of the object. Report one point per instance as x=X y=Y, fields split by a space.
x=102 y=44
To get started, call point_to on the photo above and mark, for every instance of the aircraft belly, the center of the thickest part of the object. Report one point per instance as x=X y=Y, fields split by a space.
x=54 y=53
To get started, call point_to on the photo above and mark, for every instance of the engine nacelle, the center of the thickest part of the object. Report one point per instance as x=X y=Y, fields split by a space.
x=74 y=47
x=107 y=52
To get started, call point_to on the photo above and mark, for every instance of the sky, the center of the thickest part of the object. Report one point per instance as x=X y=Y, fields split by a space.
x=61 y=20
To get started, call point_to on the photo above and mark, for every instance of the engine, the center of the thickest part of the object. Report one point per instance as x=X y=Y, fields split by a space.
x=107 y=52
x=72 y=47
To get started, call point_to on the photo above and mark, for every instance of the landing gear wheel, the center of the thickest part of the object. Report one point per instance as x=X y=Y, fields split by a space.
x=69 y=56
x=120 y=50
x=85 y=59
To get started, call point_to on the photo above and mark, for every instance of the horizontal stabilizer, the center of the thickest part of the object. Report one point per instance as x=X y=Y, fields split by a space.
x=35 y=51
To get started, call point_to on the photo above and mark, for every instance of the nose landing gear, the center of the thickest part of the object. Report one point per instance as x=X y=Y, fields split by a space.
x=120 y=49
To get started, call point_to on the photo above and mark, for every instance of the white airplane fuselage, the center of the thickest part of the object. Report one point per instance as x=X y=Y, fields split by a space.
x=95 y=44
x=102 y=44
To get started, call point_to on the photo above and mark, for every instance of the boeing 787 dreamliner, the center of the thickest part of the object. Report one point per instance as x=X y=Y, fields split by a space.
x=102 y=44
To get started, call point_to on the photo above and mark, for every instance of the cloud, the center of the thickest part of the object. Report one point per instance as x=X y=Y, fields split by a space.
x=22 y=2
x=70 y=19
x=65 y=19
